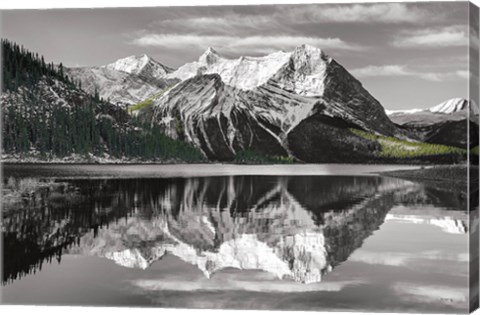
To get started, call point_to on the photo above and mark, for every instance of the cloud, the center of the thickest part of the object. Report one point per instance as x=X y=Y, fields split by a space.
x=284 y=18
x=463 y=74
x=359 y=13
x=380 y=71
x=402 y=71
x=229 y=284
x=402 y=259
x=225 y=24
x=237 y=44
x=433 y=294
x=452 y=36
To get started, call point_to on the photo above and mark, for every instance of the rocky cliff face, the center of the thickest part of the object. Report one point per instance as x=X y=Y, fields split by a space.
x=269 y=104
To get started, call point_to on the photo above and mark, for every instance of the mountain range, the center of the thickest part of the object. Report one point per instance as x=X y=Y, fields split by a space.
x=286 y=106
x=448 y=123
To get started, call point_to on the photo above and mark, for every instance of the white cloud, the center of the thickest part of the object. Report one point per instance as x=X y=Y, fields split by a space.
x=236 y=44
x=225 y=24
x=402 y=70
x=380 y=71
x=360 y=13
x=433 y=294
x=463 y=74
x=452 y=36
x=386 y=259
x=283 y=17
x=399 y=259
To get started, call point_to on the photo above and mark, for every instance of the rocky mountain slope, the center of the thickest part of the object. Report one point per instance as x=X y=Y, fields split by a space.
x=271 y=105
x=126 y=81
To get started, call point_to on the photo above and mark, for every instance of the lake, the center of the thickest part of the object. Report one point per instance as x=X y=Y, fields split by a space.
x=289 y=237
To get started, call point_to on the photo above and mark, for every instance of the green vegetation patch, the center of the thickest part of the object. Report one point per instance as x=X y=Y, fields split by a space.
x=148 y=102
x=396 y=148
x=474 y=150
x=249 y=156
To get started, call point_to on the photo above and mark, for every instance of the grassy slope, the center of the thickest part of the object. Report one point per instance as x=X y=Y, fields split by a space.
x=148 y=102
x=395 y=148
x=474 y=150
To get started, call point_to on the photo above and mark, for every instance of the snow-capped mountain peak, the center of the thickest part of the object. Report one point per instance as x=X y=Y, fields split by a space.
x=305 y=72
x=210 y=56
x=139 y=64
x=309 y=50
x=126 y=81
x=244 y=72
x=247 y=73
x=451 y=106
x=130 y=64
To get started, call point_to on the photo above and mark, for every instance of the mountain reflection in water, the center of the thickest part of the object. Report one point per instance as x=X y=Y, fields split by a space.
x=295 y=227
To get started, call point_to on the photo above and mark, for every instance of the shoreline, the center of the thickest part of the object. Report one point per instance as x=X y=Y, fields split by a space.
x=442 y=173
x=197 y=170
x=449 y=178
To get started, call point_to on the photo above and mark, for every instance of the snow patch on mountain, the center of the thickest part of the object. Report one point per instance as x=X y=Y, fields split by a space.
x=131 y=64
x=245 y=73
x=137 y=64
x=450 y=106
x=403 y=111
x=119 y=87
x=305 y=73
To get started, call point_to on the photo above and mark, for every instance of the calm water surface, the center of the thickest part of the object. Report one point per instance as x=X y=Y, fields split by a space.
x=321 y=237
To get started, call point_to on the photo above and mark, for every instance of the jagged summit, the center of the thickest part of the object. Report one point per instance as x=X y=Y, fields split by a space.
x=136 y=64
x=210 y=51
x=210 y=56
x=450 y=106
x=130 y=64
x=126 y=81
x=248 y=72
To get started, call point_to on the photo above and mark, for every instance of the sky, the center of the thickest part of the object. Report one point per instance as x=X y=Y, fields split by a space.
x=407 y=55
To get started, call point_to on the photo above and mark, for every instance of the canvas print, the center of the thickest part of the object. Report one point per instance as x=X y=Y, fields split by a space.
x=318 y=157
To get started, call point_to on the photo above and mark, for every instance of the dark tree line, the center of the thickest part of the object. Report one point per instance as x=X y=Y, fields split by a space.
x=24 y=68
x=32 y=123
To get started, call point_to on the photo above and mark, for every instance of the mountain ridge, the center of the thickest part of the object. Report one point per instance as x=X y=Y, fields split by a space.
x=246 y=115
x=300 y=106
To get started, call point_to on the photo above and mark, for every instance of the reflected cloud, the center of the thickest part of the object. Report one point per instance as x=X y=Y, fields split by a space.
x=227 y=284
x=447 y=224
x=403 y=259
x=456 y=296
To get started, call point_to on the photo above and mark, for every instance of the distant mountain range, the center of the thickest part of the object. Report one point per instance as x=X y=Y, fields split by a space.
x=126 y=81
x=446 y=123
x=300 y=105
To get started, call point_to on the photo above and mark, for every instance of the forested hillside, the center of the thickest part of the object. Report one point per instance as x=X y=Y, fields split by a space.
x=47 y=115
